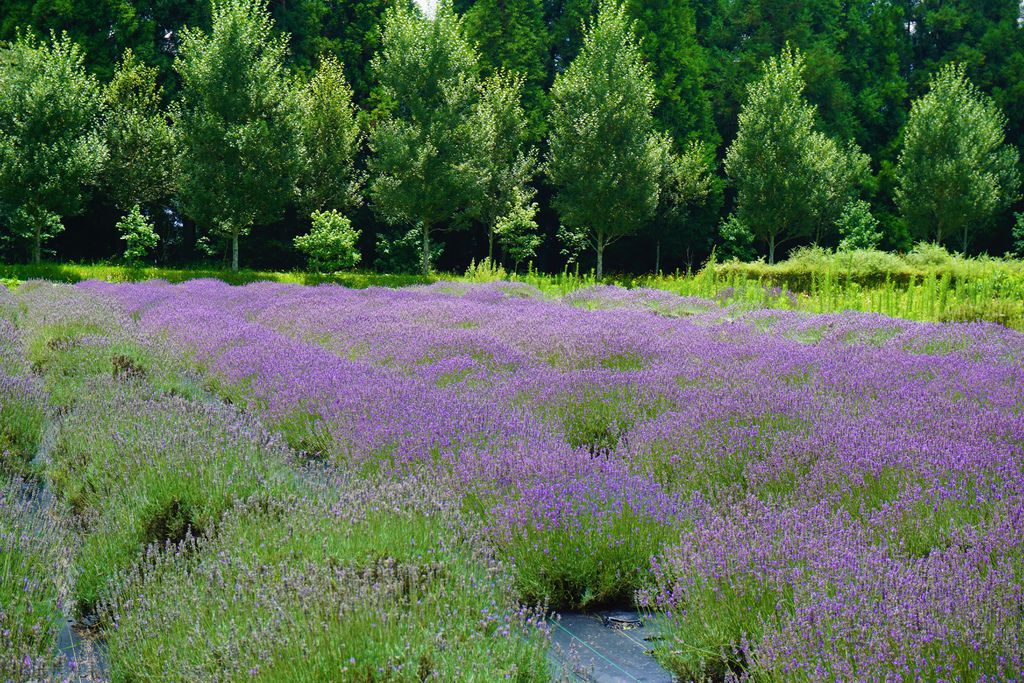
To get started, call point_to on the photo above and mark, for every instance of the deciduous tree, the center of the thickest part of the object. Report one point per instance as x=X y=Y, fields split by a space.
x=236 y=122
x=507 y=166
x=955 y=170
x=606 y=158
x=51 y=148
x=792 y=181
x=140 y=170
x=424 y=165
x=330 y=141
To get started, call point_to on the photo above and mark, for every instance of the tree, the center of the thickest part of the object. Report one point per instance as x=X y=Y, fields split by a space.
x=138 y=234
x=791 y=180
x=236 y=122
x=606 y=159
x=330 y=141
x=689 y=179
x=51 y=149
x=954 y=171
x=512 y=36
x=140 y=170
x=348 y=30
x=424 y=167
x=678 y=64
x=501 y=128
x=858 y=227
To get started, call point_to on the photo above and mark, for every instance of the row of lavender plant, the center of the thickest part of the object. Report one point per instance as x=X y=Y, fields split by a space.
x=207 y=554
x=29 y=541
x=803 y=496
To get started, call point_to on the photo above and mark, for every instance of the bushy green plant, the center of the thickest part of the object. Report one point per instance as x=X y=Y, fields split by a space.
x=737 y=241
x=858 y=227
x=138 y=234
x=325 y=587
x=928 y=254
x=331 y=244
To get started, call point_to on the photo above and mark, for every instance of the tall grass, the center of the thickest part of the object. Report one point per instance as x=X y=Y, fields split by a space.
x=926 y=284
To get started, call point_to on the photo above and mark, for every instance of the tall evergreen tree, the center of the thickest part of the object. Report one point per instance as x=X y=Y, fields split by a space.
x=955 y=170
x=424 y=164
x=51 y=148
x=668 y=33
x=236 y=121
x=606 y=158
x=512 y=36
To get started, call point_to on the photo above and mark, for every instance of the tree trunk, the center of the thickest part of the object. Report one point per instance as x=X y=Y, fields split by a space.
x=426 y=249
x=490 y=245
x=600 y=259
x=966 y=241
x=771 y=250
x=37 y=243
x=234 y=251
x=657 y=257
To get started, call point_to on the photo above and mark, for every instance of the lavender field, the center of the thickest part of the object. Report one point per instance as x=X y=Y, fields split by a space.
x=274 y=482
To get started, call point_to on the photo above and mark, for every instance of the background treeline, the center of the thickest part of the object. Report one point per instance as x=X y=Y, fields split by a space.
x=851 y=70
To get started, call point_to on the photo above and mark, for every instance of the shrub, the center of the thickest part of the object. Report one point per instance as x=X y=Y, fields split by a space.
x=331 y=244
x=929 y=254
x=138 y=234
x=737 y=240
x=858 y=227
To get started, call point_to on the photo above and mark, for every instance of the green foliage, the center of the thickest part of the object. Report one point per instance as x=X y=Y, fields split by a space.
x=51 y=149
x=401 y=251
x=138 y=234
x=424 y=165
x=236 y=122
x=506 y=206
x=737 y=240
x=858 y=227
x=792 y=181
x=516 y=232
x=331 y=244
x=678 y=66
x=140 y=170
x=603 y=139
x=690 y=181
x=1018 y=234
x=954 y=169
x=330 y=141
x=512 y=37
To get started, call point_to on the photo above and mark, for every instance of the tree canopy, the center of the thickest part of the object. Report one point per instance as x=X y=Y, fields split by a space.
x=236 y=122
x=51 y=148
x=606 y=158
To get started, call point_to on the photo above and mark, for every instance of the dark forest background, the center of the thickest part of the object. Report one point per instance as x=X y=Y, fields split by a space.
x=866 y=60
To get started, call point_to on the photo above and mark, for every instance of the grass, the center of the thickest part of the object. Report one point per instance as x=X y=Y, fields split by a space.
x=927 y=284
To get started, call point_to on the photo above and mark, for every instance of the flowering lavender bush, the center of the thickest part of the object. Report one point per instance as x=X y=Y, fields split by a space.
x=355 y=580
x=799 y=496
x=29 y=610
